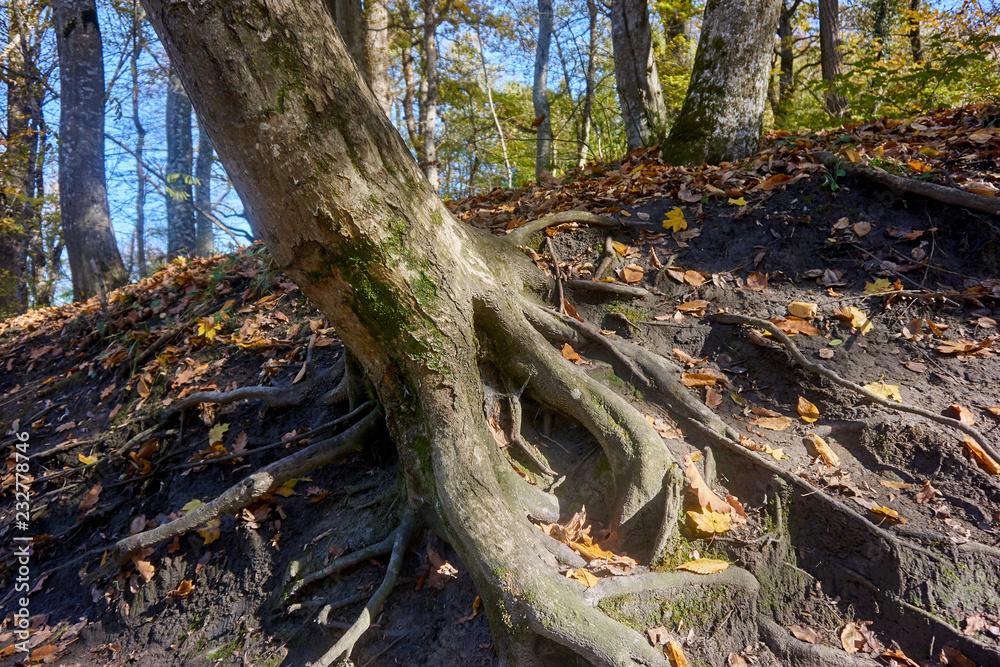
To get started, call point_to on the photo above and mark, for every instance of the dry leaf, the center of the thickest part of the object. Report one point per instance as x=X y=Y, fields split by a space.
x=91 y=497
x=698 y=380
x=808 y=412
x=145 y=568
x=210 y=532
x=756 y=281
x=42 y=652
x=703 y=566
x=694 y=278
x=658 y=636
x=851 y=638
x=895 y=486
x=675 y=653
x=823 y=450
x=86 y=460
x=887 y=391
x=795 y=325
x=961 y=414
x=926 y=493
x=802 y=309
x=585 y=577
x=695 y=307
x=775 y=181
x=707 y=498
x=183 y=590
x=984 y=460
x=887 y=514
x=707 y=523
x=713 y=397
x=805 y=634
x=571 y=354
x=632 y=274
x=952 y=656
x=856 y=317
x=674 y=221
x=896 y=654
x=774 y=423
x=690 y=361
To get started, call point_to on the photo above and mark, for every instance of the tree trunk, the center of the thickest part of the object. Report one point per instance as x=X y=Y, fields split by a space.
x=140 y=141
x=203 y=195
x=349 y=18
x=493 y=110
x=181 y=231
x=677 y=31
x=786 y=72
x=916 y=46
x=19 y=181
x=83 y=195
x=540 y=92
x=723 y=112
x=831 y=59
x=586 y=120
x=428 y=101
x=638 y=82
x=377 y=46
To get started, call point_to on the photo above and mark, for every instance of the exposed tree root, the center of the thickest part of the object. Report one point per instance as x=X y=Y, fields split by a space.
x=236 y=497
x=971 y=431
x=521 y=234
x=400 y=539
x=796 y=653
x=900 y=185
x=618 y=289
x=344 y=562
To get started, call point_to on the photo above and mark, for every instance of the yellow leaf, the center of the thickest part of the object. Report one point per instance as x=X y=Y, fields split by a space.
x=774 y=423
x=590 y=552
x=802 y=309
x=887 y=391
x=142 y=388
x=698 y=380
x=930 y=152
x=620 y=248
x=879 y=286
x=703 y=566
x=708 y=523
x=585 y=577
x=852 y=155
x=675 y=653
x=887 y=514
x=216 y=433
x=675 y=221
x=87 y=460
x=823 y=450
x=192 y=505
x=807 y=411
x=856 y=317
x=211 y=532
x=738 y=202
x=984 y=460
x=183 y=589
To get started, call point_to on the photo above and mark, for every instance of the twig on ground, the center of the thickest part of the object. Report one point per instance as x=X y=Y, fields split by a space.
x=273 y=396
x=618 y=289
x=521 y=234
x=344 y=646
x=603 y=341
x=819 y=369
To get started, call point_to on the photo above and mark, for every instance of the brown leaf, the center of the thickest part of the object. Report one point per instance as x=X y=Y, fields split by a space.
x=698 y=380
x=695 y=308
x=632 y=274
x=569 y=353
x=756 y=281
x=806 y=634
x=795 y=325
x=571 y=311
x=713 y=397
x=658 y=636
x=808 y=412
x=984 y=460
x=774 y=423
x=675 y=653
x=952 y=656
x=145 y=568
x=898 y=655
x=694 y=278
x=926 y=493
x=962 y=414
x=183 y=590
x=851 y=638
x=895 y=486
x=91 y=497
x=690 y=361
x=705 y=495
x=823 y=450
x=736 y=660
x=42 y=652
x=775 y=181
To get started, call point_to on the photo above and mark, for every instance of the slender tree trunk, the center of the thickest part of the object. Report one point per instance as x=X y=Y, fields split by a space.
x=140 y=141
x=540 y=92
x=428 y=120
x=203 y=195
x=586 y=120
x=916 y=45
x=493 y=110
x=409 y=99
x=377 y=43
x=348 y=16
x=83 y=194
x=723 y=112
x=786 y=69
x=677 y=31
x=181 y=231
x=20 y=176
x=831 y=59
x=639 y=93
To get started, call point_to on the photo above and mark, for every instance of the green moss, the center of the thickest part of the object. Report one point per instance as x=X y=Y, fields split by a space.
x=634 y=313
x=226 y=649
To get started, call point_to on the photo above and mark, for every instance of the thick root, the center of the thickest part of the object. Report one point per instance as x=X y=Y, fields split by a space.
x=520 y=235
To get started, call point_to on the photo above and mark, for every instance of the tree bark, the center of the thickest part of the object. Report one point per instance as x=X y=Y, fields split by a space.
x=586 y=120
x=637 y=79
x=677 y=31
x=429 y=98
x=83 y=195
x=139 y=42
x=181 y=231
x=540 y=92
x=723 y=111
x=916 y=45
x=493 y=109
x=377 y=46
x=19 y=185
x=786 y=71
x=203 y=195
x=350 y=21
x=831 y=60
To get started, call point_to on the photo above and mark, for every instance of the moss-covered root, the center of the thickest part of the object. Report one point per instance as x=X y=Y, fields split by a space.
x=795 y=653
x=400 y=539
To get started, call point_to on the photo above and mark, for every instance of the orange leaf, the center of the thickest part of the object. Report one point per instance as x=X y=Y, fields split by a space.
x=675 y=653
x=984 y=460
x=757 y=281
x=962 y=414
x=775 y=181
x=183 y=589
x=570 y=353
x=91 y=497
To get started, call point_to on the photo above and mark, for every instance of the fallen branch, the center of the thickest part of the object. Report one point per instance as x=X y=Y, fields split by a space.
x=521 y=234
x=819 y=369
x=344 y=646
x=238 y=496
x=618 y=289
x=901 y=185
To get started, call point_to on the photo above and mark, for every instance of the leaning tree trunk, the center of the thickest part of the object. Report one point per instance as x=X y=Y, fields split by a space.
x=205 y=244
x=83 y=194
x=638 y=82
x=723 y=112
x=831 y=59
x=181 y=234
x=422 y=301
x=916 y=45
x=349 y=18
x=540 y=91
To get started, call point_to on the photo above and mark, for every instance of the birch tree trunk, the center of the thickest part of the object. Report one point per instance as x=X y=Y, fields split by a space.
x=140 y=142
x=637 y=79
x=723 y=111
x=377 y=47
x=83 y=195
x=205 y=245
x=586 y=120
x=428 y=119
x=181 y=231
x=540 y=92
x=831 y=60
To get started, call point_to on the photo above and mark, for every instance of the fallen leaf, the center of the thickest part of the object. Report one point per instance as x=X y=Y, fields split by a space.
x=145 y=568
x=695 y=307
x=694 y=278
x=86 y=460
x=713 y=397
x=675 y=654
x=926 y=493
x=658 y=636
x=632 y=274
x=894 y=485
x=183 y=590
x=736 y=660
x=889 y=392
x=756 y=281
x=862 y=228
x=803 y=309
x=896 y=654
x=808 y=412
x=42 y=652
x=571 y=354
x=739 y=201
x=143 y=388
x=823 y=450
x=477 y=604
x=795 y=325
x=879 y=286
x=775 y=181
x=961 y=414
x=984 y=460
x=216 y=433
x=698 y=380
x=851 y=638
x=995 y=411
x=887 y=514
x=690 y=361
x=91 y=497
x=210 y=532
x=585 y=577
x=703 y=566
x=805 y=634
x=777 y=454
x=706 y=497
x=774 y=423
x=856 y=317
x=707 y=523
x=674 y=220
x=191 y=506
x=951 y=656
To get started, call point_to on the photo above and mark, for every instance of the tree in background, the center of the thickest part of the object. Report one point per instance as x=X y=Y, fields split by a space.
x=205 y=241
x=181 y=227
x=638 y=81
x=540 y=92
x=831 y=58
x=94 y=260
x=723 y=113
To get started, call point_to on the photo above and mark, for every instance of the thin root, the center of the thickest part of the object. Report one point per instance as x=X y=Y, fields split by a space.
x=521 y=234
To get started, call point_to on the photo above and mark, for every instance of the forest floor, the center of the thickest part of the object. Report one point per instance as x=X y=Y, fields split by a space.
x=894 y=290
